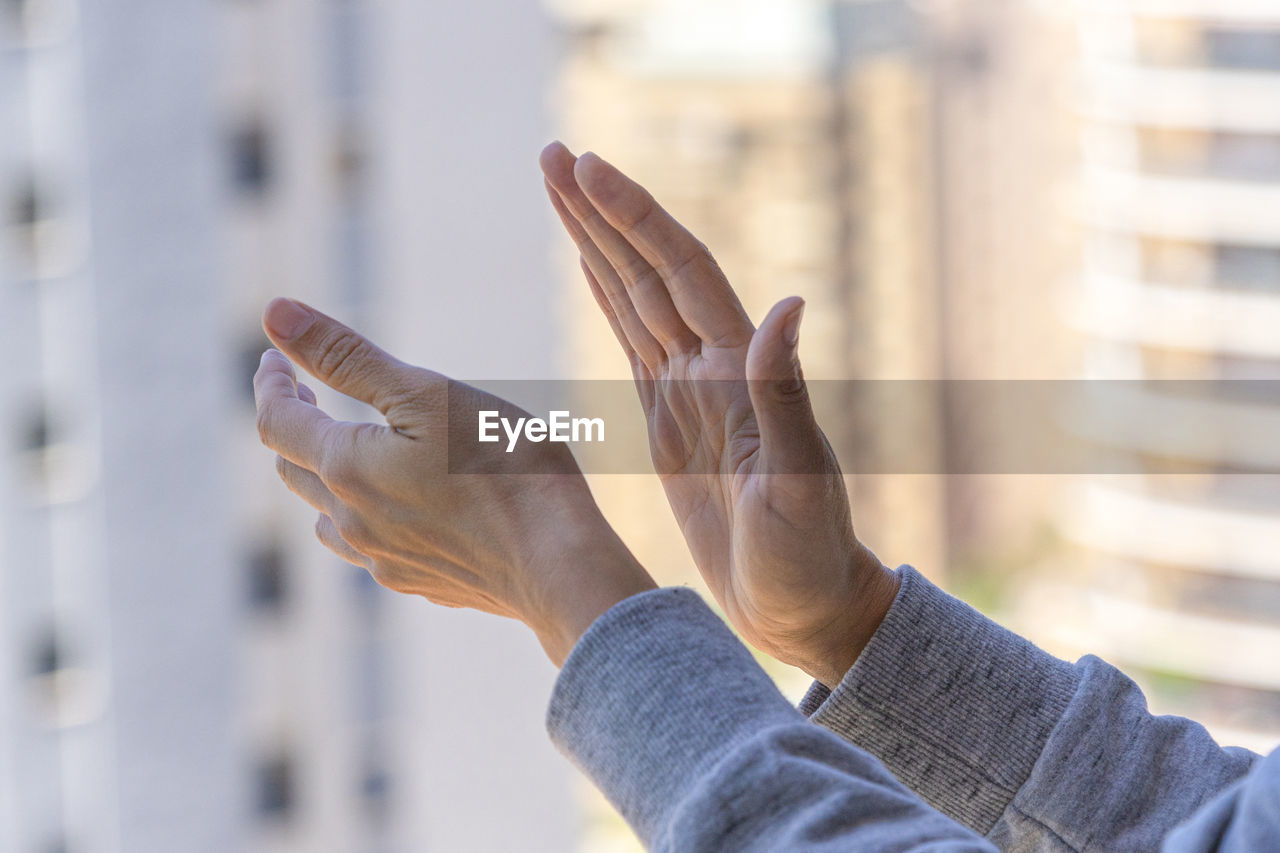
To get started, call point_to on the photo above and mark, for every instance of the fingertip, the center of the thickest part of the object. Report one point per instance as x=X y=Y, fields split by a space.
x=286 y=319
x=783 y=312
x=553 y=151
x=604 y=183
x=589 y=168
x=273 y=358
x=557 y=162
x=791 y=326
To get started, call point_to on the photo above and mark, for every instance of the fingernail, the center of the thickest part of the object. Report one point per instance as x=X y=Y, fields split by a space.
x=287 y=319
x=791 y=329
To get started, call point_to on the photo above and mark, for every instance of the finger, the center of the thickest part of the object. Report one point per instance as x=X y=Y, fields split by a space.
x=642 y=283
x=338 y=356
x=605 y=308
x=306 y=485
x=639 y=371
x=695 y=284
x=329 y=536
x=790 y=440
x=612 y=297
x=306 y=395
x=292 y=428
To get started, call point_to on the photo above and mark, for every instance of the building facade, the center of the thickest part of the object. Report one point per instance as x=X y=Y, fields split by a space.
x=182 y=666
x=1181 y=281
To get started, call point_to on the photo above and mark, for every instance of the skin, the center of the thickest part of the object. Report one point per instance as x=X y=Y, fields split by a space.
x=749 y=475
x=519 y=535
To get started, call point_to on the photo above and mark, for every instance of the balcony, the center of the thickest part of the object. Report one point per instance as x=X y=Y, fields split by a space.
x=1197 y=209
x=1204 y=538
x=1211 y=99
x=1202 y=320
x=1131 y=633
x=1215 y=11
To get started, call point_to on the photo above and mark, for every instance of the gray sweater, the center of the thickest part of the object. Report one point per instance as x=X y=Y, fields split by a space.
x=948 y=734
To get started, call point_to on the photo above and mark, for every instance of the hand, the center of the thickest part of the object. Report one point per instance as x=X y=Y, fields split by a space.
x=750 y=476
x=523 y=539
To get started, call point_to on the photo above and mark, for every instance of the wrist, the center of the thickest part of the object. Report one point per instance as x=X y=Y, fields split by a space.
x=581 y=570
x=843 y=645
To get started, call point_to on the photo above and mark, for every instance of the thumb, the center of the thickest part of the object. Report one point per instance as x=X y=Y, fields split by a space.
x=790 y=440
x=338 y=356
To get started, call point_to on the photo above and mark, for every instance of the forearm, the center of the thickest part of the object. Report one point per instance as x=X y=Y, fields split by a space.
x=671 y=717
x=1012 y=742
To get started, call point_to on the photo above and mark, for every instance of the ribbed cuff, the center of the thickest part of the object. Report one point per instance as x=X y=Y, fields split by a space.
x=654 y=693
x=954 y=705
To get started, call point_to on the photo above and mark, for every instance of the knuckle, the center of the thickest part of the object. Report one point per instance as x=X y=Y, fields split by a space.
x=339 y=353
x=791 y=391
x=282 y=468
x=338 y=470
x=354 y=531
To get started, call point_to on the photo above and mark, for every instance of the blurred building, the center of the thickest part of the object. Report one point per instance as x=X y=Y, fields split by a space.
x=900 y=165
x=182 y=667
x=792 y=138
x=1181 y=281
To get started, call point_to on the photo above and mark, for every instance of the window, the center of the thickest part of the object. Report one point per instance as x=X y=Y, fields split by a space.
x=1257 y=49
x=26 y=209
x=348 y=162
x=1245 y=156
x=48 y=657
x=36 y=433
x=250 y=154
x=275 y=786
x=55 y=468
x=64 y=692
x=36 y=237
x=375 y=786
x=1175 y=262
x=1247 y=267
x=35 y=21
x=268 y=576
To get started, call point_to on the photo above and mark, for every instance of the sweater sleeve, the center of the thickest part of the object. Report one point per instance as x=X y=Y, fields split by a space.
x=674 y=721
x=1031 y=751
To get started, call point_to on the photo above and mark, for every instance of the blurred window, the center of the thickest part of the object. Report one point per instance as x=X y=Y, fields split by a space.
x=36 y=433
x=32 y=22
x=1247 y=267
x=1173 y=151
x=64 y=692
x=268 y=576
x=1200 y=153
x=47 y=654
x=250 y=155
x=1176 y=262
x=35 y=238
x=1246 y=156
x=1243 y=48
x=348 y=162
x=275 y=787
x=1168 y=41
x=375 y=789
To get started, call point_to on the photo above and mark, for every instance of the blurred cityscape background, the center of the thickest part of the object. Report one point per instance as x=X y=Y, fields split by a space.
x=961 y=189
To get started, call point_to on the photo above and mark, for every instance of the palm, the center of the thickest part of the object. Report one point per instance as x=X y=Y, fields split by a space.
x=764 y=561
x=749 y=475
